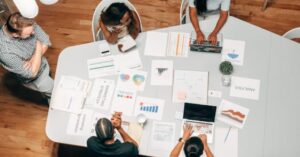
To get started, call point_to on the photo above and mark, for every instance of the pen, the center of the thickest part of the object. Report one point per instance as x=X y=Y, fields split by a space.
x=105 y=51
x=227 y=134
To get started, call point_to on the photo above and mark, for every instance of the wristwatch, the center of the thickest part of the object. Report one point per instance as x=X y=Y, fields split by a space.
x=181 y=140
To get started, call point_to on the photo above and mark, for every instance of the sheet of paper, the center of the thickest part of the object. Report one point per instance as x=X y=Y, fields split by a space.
x=127 y=43
x=74 y=83
x=156 y=43
x=80 y=124
x=129 y=60
x=123 y=101
x=104 y=48
x=135 y=131
x=190 y=86
x=162 y=136
x=100 y=67
x=132 y=79
x=68 y=100
x=245 y=88
x=178 y=44
x=101 y=94
x=226 y=144
x=162 y=72
x=70 y=94
x=233 y=51
x=232 y=114
x=152 y=108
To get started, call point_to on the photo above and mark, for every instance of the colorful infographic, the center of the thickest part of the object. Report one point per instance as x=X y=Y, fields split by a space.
x=132 y=79
x=152 y=108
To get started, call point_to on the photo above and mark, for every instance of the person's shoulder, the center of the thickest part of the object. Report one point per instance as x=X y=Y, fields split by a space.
x=92 y=141
x=129 y=146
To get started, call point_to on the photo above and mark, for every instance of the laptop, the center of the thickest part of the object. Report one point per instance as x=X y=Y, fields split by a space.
x=202 y=117
x=206 y=46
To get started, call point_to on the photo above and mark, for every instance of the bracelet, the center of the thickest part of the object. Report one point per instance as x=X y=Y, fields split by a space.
x=181 y=140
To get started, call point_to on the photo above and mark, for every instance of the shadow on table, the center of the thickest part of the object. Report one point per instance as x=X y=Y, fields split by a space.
x=73 y=151
x=14 y=86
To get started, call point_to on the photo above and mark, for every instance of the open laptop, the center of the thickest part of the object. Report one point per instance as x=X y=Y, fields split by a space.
x=202 y=117
x=206 y=46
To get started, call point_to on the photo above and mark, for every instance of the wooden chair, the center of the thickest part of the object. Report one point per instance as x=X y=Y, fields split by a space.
x=265 y=5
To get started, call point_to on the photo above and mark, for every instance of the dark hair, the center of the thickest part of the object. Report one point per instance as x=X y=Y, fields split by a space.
x=201 y=6
x=104 y=129
x=114 y=13
x=193 y=147
x=16 y=22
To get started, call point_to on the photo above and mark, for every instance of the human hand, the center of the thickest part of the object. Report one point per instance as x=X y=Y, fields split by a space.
x=120 y=47
x=27 y=64
x=114 y=35
x=203 y=138
x=116 y=120
x=212 y=38
x=200 y=37
x=187 y=131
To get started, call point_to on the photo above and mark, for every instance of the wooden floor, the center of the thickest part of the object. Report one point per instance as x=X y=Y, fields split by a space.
x=22 y=122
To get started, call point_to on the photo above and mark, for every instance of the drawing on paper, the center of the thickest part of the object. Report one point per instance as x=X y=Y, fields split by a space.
x=124 y=77
x=160 y=71
x=233 y=114
x=138 y=79
x=232 y=54
x=163 y=133
x=148 y=108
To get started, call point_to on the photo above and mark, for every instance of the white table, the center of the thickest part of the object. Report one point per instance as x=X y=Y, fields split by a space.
x=272 y=128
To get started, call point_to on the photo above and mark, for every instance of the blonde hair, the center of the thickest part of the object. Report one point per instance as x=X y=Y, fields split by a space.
x=16 y=22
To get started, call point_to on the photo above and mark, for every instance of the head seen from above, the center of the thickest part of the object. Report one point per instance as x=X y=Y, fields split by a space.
x=104 y=130
x=193 y=147
x=116 y=14
x=19 y=26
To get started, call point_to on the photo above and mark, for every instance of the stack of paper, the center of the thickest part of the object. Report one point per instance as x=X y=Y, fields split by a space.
x=170 y=44
x=70 y=94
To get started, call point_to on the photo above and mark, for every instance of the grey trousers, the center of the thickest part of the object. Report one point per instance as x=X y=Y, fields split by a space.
x=44 y=83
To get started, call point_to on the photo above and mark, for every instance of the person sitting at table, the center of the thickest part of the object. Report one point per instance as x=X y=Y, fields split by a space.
x=205 y=8
x=193 y=146
x=105 y=144
x=118 y=21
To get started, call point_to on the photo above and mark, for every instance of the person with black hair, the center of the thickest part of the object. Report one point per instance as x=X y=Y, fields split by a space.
x=192 y=146
x=104 y=145
x=118 y=21
x=206 y=8
x=23 y=44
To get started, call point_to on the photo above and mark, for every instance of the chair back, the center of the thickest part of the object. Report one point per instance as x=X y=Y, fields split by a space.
x=184 y=12
x=104 y=4
x=293 y=33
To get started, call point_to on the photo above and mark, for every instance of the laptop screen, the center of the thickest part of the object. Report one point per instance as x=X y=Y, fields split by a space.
x=199 y=112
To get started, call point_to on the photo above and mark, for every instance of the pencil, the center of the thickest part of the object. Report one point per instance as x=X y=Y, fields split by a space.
x=227 y=134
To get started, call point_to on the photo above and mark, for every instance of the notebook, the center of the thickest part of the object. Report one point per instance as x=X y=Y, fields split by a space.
x=201 y=117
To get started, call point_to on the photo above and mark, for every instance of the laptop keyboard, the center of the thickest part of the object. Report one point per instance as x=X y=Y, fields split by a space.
x=201 y=128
